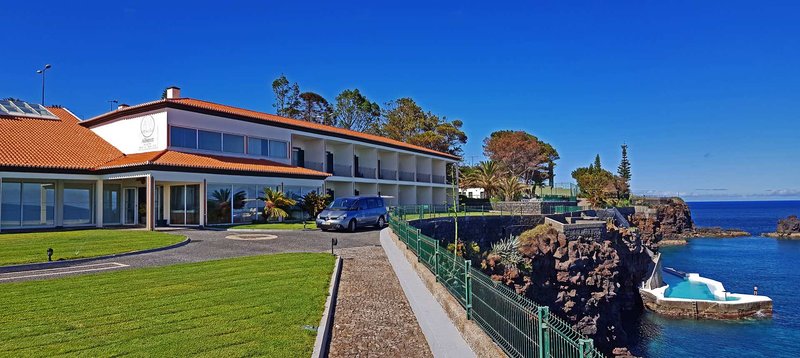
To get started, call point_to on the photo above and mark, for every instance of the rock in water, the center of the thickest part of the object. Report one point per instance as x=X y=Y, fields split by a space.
x=788 y=228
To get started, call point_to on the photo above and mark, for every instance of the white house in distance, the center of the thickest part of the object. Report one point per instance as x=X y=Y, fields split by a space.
x=182 y=161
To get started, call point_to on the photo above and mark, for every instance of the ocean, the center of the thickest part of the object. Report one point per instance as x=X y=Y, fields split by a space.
x=739 y=263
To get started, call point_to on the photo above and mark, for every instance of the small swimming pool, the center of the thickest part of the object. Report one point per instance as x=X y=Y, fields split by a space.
x=680 y=287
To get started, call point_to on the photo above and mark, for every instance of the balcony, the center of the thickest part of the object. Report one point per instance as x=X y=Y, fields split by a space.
x=423 y=178
x=388 y=174
x=313 y=166
x=439 y=179
x=406 y=176
x=365 y=172
x=342 y=170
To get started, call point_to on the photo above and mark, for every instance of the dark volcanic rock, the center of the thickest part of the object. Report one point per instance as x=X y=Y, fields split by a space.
x=669 y=221
x=788 y=228
x=590 y=283
x=790 y=225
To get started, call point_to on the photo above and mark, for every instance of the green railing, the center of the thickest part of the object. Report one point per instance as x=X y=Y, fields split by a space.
x=518 y=325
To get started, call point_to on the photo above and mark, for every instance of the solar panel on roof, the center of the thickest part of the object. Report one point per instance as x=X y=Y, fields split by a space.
x=24 y=109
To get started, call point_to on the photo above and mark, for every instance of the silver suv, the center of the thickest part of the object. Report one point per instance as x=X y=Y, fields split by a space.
x=352 y=213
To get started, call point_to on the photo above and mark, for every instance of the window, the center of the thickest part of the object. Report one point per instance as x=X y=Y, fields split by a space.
x=257 y=146
x=232 y=143
x=78 y=204
x=209 y=140
x=183 y=137
x=10 y=210
x=112 y=203
x=278 y=149
x=28 y=204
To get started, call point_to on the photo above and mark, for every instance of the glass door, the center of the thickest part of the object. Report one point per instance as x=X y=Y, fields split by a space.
x=184 y=205
x=177 y=205
x=131 y=206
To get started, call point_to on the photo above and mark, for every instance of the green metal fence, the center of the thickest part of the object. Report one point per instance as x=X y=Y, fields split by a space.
x=518 y=325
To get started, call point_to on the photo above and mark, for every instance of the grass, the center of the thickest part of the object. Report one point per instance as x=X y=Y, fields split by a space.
x=32 y=247
x=252 y=306
x=277 y=226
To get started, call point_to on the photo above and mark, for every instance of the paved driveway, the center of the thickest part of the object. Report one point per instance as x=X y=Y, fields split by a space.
x=214 y=244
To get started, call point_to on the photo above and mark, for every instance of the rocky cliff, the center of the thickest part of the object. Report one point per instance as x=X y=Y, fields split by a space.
x=590 y=283
x=788 y=228
x=665 y=223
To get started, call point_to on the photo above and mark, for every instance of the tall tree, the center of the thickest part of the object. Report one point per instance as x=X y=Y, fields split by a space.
x=315 y=108
x=520 y=152
x=523 y=154
x=287 y=97
x=405 y=121
x=597 y=162
x=354 y=111
x=624 y=174
x=624 y=168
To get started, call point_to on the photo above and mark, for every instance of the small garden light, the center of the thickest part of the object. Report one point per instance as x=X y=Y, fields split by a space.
x=50 y=254
x=334 y=242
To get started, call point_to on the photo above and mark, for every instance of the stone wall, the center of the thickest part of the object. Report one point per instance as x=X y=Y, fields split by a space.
x=483 y=230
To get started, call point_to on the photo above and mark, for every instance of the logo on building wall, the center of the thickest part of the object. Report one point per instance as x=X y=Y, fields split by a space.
x=147 y=126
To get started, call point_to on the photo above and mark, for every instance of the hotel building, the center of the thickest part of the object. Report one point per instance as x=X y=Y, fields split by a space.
x=188 y=162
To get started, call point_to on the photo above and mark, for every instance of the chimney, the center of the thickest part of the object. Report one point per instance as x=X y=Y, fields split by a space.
x=173 y=92
x=122 y=106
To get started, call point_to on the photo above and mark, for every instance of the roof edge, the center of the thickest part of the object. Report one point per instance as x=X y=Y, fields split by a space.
x=149 y=106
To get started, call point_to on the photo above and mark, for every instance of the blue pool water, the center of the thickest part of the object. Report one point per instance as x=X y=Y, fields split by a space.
x=683 y=288
x=739 y=263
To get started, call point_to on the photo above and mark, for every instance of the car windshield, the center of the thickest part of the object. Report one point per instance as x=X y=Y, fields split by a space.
x=342 y=204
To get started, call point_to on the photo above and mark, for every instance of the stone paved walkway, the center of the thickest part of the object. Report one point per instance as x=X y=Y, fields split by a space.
x=373 y=317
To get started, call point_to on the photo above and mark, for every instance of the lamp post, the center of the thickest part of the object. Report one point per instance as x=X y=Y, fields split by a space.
x=42 y=71
x=113 y=103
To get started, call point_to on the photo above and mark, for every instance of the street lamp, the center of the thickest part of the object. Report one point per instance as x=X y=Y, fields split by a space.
x=42 y=71
x=113 y=103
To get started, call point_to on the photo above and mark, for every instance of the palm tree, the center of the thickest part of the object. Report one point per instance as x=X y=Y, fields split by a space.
x=486 y=176
x=510 y=188
x=275 y=202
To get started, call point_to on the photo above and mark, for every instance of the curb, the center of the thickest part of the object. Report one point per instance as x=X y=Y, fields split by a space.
x=323 y=342
x=65 y=263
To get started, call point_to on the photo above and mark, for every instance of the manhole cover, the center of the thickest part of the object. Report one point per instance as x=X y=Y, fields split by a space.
x=251 y=237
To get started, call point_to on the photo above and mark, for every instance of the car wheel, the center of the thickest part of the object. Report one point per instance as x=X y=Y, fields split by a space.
x=351 y=226
x=381 y=222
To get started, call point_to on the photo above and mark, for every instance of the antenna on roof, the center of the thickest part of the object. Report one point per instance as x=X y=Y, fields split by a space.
x=112 y=102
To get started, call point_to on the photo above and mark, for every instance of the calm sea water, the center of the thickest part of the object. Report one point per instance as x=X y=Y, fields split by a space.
x=739 y=263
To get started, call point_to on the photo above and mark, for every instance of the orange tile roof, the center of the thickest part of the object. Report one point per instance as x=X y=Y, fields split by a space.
x=52 y=143
x=172 y=159
x=190 y=103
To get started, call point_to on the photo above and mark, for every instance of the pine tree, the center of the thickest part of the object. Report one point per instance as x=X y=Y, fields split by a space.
x=597 y=162
x=624 y=169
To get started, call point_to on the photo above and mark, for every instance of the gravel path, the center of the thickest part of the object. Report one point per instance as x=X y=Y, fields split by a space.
x=373 y=317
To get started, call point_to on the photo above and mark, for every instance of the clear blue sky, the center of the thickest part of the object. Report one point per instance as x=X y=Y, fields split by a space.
x=706 y=93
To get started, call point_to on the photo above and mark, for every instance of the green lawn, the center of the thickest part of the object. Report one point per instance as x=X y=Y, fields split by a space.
x=32 y=247
x=252 y=306
x=277 y=226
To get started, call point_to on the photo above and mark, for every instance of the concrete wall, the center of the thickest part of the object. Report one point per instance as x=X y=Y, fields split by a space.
x=366 y=189
x=705 y=309
x=389 y=190
x=407 y=195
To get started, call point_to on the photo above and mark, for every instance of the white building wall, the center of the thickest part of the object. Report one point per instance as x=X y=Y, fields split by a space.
x=140 y=134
